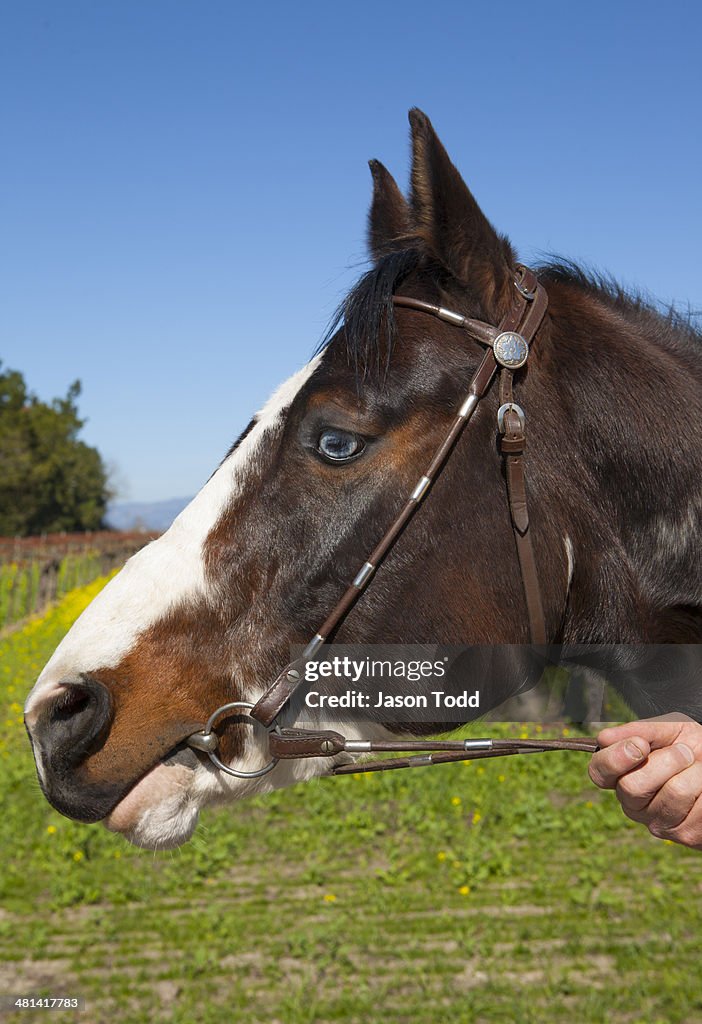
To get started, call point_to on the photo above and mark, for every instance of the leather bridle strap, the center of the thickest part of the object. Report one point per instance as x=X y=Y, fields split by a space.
x=300 y=743
x=525 y=314
x=480 y=331
x=512 y=427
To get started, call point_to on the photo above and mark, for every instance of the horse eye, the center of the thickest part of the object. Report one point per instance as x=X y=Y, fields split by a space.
x=339 y=445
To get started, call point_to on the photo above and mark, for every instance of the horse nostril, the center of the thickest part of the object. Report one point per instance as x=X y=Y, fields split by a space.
x=75 y=722
x=71 y=702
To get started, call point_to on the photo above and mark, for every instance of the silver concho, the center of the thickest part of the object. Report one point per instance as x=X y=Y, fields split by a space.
x=511 y=350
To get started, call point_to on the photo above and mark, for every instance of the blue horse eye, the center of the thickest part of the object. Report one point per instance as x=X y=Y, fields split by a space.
x=339 y=445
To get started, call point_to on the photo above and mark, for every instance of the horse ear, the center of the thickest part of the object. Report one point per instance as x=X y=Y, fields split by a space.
x=389 y=216
x=447 y=216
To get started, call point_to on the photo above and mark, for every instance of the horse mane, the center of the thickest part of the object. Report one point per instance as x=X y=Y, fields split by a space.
x=669 y=325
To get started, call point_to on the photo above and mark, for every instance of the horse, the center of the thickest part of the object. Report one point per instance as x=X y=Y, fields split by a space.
x=208 y=613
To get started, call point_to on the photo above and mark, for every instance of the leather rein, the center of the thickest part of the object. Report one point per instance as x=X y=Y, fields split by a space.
x=507 y=350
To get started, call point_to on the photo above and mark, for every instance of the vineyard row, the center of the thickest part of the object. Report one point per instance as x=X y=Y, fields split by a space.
x=37 y=571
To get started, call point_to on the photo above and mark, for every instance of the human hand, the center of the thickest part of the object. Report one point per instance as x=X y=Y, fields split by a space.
x=655 y=767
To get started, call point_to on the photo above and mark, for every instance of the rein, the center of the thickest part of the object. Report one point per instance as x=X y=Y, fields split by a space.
x=507 y=349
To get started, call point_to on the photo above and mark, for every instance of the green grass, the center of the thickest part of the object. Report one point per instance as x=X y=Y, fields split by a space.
x=496 y=892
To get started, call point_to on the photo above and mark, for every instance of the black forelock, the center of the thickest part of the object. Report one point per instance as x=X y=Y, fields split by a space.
x=368 y=314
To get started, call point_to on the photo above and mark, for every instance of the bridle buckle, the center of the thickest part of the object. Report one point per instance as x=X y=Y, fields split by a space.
x=510 y=407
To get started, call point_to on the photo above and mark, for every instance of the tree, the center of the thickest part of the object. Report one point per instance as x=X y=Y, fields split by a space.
x=49 y=480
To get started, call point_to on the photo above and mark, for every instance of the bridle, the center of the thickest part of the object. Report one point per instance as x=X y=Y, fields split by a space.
x=507 y=349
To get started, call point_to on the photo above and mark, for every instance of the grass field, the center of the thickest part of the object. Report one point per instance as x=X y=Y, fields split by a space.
x=499 y=892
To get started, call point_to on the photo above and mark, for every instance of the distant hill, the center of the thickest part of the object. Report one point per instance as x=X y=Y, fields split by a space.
x=145 y=515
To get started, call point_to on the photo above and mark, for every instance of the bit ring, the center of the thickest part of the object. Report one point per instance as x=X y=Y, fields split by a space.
x=207 y=741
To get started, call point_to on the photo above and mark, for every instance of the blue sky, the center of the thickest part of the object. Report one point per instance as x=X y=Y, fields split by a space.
x=185 y=186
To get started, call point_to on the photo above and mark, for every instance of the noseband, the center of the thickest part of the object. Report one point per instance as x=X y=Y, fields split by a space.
x=507 y=350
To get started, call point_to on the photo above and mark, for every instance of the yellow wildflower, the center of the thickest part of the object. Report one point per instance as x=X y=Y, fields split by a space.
x=329 y=897
x=464 y=890
x=51 y=829
x=456 y=801
x=441 y=855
